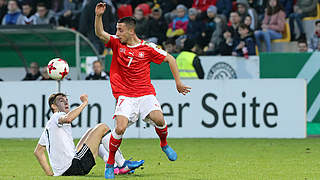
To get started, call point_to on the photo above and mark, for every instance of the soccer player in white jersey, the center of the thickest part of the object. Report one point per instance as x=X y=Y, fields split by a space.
x=66 y=159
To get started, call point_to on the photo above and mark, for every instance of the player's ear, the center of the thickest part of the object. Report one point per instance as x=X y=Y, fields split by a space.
x=54 y=107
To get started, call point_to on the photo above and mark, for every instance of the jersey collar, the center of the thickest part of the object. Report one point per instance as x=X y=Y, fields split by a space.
x=141 y=41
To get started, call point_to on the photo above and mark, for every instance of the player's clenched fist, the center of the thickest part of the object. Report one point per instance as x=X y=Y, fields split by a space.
x=84 y=98
x=100 y=8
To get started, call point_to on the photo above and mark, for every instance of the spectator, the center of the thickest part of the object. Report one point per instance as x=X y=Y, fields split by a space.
x=303 y=8
x=195 y=27
x=302 y=46
x=235 y=22
x=86 y=26
x=34 y=72
x=203 y=5
x=157 y=27
x=244 y=10
x=98 y=73
x=288 y=6
x=209 y=26
x=224 y=7
x=273 y=25
x=145 y=9
x=217 y=35
x=315 y=38
x=44 y=74
x=70 y=14
x=44 y=16
x=27 y=16
x=226 y=46
x=179 y=24
x=247 y=21
x=3 y=9
x=141 y=23
x=13 y=13
x=170 y=46
x=188 y=62
x=259 y=6
x=245 y=46
x=318 y=47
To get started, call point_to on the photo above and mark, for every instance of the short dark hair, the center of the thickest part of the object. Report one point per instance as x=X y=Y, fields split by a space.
x=52 y=99
x=243 y=26
x=129 y=21
x=302 y=41
x=317 y=22
x=41 y=4
x=97 y=61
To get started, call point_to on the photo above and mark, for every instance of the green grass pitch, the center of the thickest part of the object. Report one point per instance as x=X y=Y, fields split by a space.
x=198 y=159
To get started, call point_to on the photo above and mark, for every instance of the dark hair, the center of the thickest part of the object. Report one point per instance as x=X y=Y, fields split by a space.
x=243 y=26
x=271 y=11
x=302 y=40
x=41 y=4
x=235 y=12
x=317 y=22
x=129 y=21
x=52 y=99
x=97 y=61
x=188 y=44
x=170 y=41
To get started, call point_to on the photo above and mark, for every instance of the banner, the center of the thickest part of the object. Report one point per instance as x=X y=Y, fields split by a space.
x=297 y=65
x=230 y=67
x=269 y=108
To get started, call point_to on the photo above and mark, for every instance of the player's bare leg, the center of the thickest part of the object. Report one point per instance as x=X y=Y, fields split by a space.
x=114 y=144
x=94 y=138
x=83 y=138
x=162 y=130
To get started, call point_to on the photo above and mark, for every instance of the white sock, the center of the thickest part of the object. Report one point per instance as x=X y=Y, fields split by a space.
x=104 y=152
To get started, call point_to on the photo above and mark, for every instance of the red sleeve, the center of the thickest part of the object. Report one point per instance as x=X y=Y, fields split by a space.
x=113 y=42
x=157 y=55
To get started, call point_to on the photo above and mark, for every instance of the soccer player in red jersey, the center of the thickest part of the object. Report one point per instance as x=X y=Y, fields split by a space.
x=131 y=84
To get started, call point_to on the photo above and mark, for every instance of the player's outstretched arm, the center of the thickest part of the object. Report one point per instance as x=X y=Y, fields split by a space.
x=175 y=72
x=98 y=26
x=39 y=152
x=72 y=115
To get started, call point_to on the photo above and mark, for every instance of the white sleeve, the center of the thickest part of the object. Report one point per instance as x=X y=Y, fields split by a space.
x=55 y=118
x=42 y=140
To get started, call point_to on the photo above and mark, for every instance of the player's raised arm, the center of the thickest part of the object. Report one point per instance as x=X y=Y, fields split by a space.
x=68 y=118
x=39 y=152
x=98 y=26
x=175 y=72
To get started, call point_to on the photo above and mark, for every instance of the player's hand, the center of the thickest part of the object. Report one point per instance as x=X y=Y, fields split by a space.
x=100 y=8
x=183 y=89
x=84 y=98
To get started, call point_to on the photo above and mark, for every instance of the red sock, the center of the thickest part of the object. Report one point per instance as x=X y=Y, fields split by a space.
x=162 y=133
x=114 y=144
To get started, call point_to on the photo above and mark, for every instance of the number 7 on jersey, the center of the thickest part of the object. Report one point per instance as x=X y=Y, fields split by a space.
x=130 y=60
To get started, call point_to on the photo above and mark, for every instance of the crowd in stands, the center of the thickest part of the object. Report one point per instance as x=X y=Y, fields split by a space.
x=218 y=27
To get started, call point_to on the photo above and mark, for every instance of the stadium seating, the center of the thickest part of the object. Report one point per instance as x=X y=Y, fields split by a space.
x=315 y=17
x=285 y=35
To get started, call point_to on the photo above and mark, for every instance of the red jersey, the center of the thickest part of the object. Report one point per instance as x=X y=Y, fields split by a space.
x=130 y=67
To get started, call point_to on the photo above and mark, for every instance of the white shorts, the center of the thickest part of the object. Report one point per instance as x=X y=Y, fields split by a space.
x=133 y=107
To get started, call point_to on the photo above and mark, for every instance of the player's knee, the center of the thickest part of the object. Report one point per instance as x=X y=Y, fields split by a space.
x=120 y=130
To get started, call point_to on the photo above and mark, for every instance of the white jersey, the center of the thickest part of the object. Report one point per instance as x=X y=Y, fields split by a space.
x=59 y=144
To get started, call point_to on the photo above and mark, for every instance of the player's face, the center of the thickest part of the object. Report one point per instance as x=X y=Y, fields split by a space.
x=62 y=104
x=123 y=32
